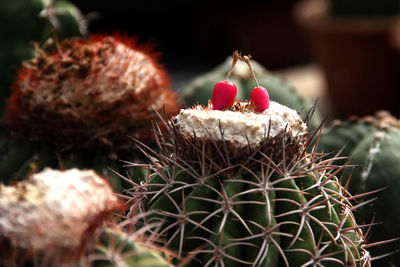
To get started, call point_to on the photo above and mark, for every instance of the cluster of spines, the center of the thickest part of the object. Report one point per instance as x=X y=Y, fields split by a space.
x=118 y=246
x=308 y=214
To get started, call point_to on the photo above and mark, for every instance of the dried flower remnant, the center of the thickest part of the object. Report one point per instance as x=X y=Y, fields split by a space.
x=90 y=92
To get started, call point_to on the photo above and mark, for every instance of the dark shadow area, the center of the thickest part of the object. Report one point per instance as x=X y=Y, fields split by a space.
x=201 y=34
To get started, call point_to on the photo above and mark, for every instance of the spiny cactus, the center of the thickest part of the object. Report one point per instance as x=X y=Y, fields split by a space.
x=199 y=90
x=90 y=92
x=118 y=248
x=372 y=144
x=78 y=104
x=50 y=219
x=239 y=188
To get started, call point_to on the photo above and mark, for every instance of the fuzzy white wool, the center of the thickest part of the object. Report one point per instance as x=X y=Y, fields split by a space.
x=241 y=128
x=53 y=208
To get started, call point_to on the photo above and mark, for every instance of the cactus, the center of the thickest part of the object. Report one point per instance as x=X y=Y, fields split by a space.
x=90 y=92
x=199 y=90
x=31 y=21
x=372 y=144
x=52 y=217
x=117 y=248
x=81 y=104
x=61 y=218
x=238 y=188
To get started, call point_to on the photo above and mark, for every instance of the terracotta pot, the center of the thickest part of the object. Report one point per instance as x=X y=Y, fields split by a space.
x=358 y=57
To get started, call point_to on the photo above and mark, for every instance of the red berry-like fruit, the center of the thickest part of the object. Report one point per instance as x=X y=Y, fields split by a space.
x=224 y=95
x=260 y=98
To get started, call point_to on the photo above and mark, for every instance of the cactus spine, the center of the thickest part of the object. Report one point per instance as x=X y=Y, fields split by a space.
x=260 y=205
x=117 y=248
x=371 y=144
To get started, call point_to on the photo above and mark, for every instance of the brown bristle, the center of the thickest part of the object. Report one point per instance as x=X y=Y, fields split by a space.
x=213 y=154
x=238 y=106
x=293 y=185
x=90 y=92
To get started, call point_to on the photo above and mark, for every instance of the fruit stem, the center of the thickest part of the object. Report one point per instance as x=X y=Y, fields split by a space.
x=235 y=57
x=247 y=60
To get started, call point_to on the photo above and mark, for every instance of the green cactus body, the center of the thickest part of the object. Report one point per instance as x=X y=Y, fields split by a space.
x=259 y=206
x=117 y=248
x=378 y=157
x=200 y=89
x=323 y=220
x=224 y=234
x=373 y=145
x=345 y=136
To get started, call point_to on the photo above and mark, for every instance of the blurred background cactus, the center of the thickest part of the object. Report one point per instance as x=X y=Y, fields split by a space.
x=27 y=21
x=78 y=104
x=372 y=145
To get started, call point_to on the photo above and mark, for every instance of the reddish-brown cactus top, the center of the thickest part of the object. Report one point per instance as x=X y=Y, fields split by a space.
x=90 y=91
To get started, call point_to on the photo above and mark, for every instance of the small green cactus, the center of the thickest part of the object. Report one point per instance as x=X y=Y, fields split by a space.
x=117 y=248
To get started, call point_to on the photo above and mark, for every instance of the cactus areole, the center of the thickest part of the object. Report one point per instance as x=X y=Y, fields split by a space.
x=237 y=187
